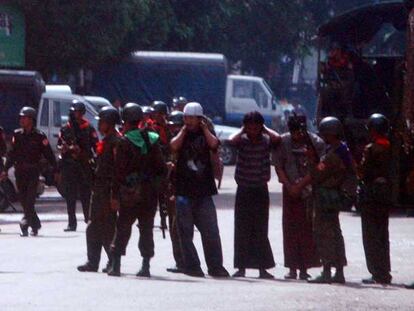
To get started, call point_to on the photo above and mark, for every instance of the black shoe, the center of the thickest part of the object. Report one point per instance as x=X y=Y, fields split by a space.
x=108 y=267
x=220 y=272
x=409 y=286
x=34 y=232
x=24 y=230
x=115 y=269
x=175 y=270
x=304 y=276
x=87 y=267
x=338 y=278
x=198 y=273
x=263 y=274
x=292 y=275
x=69 y=229
x=322 y=279
x=241 y=273
x=145 y=269
x=374 y=280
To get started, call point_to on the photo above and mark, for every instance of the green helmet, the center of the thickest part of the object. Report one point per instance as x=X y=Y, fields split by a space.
x=28 y=112
x=176 y=118
x=132 y=113
x=331 y=126
x=379 y=123
x=109 y=114
x=160 y=107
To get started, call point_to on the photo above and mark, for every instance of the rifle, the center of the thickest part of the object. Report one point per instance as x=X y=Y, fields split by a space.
x=165 y=194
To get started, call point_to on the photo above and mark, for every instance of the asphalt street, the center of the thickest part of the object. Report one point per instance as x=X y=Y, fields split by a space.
x=40 y=273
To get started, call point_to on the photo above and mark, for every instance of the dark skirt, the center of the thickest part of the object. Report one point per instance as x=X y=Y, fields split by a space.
x=298 y=243
x=252 y=248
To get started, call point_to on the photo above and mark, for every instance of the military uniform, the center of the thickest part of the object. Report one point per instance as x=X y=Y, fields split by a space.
x=328 y=177
x=102 y=219
x=76 y=167
x=139 y=165
x=375 y=203
x=26 y=151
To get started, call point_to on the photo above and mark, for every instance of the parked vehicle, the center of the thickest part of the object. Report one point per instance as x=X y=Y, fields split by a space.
x=148 y=76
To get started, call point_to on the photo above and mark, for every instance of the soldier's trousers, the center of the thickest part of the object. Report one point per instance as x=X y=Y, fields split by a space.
x=77 y=180
x=101 y=226
x=27 y=182
x=328 y=237
x=135 y=207
x=375 y=235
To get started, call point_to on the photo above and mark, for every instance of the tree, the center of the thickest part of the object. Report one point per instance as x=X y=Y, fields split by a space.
x=68 y=35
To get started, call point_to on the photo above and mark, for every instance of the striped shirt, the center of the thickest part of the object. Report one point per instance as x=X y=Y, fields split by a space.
x=253 y=162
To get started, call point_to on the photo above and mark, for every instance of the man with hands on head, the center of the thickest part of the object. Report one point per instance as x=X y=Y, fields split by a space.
x=195 y=187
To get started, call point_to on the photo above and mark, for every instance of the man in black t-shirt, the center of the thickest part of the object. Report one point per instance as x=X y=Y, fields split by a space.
x=195 y=187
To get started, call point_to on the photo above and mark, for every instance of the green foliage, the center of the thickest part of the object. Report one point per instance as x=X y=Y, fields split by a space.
x=64 y=36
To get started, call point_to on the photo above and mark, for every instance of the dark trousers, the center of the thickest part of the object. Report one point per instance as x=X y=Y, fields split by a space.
x=77 y=182
x=251 y=244
x=175 y=239
x=374 y=218
x=200 y=212
x=101 y=226
x=27 y=182
x=136 y=204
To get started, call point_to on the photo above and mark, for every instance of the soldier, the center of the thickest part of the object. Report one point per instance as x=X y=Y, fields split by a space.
x=328 y=178
x=147 y=122
x=139 y=165
x=102 y=216
x=178 y=103
x=28 y=145
x=175 y=123
x=77 y=143
x=375 y=202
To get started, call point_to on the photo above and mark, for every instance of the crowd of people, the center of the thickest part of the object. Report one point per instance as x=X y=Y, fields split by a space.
x=149 y=158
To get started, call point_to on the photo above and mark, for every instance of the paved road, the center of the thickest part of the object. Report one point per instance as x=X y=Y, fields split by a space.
x=40 y=273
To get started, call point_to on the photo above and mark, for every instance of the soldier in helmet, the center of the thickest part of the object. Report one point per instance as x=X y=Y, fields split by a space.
x=139 y=165
x=330 y=179
x=147 y=121
x=28 y=146
x=178 y=103
x=101 y=226
x=374 y=173
x=77 y=143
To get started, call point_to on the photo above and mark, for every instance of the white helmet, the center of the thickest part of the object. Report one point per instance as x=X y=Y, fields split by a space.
x=193 y=109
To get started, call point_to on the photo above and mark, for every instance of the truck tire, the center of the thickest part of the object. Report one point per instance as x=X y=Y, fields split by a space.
x=228 y=154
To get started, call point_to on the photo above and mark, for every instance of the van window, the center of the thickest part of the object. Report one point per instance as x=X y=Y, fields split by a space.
x=60 y=113
x=44 y=116
x=260 y=95
x=242 y=89
x=91 y=118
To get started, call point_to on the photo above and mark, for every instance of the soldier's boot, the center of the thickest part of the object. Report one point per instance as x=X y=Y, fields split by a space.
x=339 y=277
x=87 y=267
x=115 y=269
x=108 y=266
x=25 y=230
x=409 y=286
x=324 y=278
x=145 y=268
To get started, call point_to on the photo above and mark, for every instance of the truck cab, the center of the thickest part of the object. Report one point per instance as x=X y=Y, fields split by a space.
x=248 y=93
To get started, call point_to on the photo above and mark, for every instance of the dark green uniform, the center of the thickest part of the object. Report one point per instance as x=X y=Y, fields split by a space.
x=76 y=167
x=26 y=151
x=375 y=203
x=328 y=177
x=102 y=219
x=139 y=165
